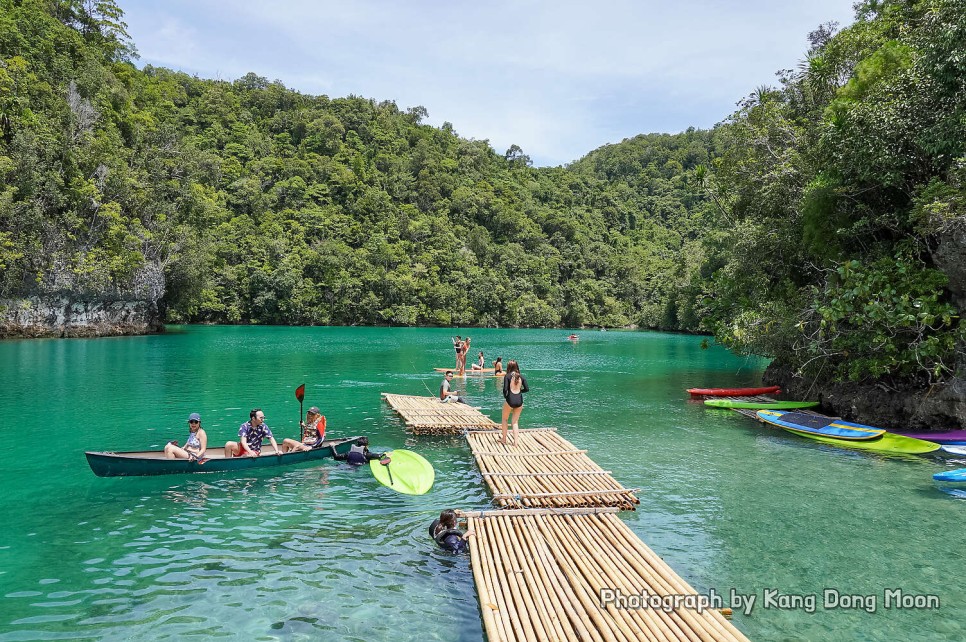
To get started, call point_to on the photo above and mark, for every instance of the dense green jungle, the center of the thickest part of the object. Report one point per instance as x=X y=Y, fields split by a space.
x=821 y=224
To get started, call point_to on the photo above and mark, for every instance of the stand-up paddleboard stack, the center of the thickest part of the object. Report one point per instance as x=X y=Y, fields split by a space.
x=542 y=575
x=545 y=470
x=429 y=416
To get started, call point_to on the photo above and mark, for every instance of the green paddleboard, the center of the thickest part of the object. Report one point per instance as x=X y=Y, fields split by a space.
x=887 y=443
x=407 y=472
x=759 y=405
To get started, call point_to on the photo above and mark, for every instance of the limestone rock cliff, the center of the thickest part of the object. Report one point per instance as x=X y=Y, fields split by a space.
x=940 y=407
x=67 y=316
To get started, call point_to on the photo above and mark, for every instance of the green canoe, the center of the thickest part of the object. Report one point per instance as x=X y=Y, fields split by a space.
x=154 y=462
x=407 y=472
x=759 y=405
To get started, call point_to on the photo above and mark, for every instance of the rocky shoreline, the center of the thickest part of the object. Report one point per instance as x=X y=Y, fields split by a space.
x=67 y=317
x=939 y=408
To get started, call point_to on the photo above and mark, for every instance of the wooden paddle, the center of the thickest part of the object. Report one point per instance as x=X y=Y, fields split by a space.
x=385 y=462
x=300 y=395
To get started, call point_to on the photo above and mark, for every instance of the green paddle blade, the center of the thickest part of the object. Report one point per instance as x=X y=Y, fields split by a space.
x=407 y=472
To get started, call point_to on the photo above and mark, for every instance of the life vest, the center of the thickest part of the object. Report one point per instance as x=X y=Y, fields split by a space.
x=356 y=454
x=442 y=536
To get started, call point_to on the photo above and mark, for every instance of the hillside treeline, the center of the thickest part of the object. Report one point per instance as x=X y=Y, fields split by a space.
x=821 y=224
x=840 y=244
x=247 y=202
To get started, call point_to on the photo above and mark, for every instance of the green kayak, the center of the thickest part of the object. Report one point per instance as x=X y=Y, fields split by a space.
x=405 y=472
x=759 y=405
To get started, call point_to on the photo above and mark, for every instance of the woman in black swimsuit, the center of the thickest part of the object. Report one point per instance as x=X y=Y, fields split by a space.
x=514 y=385
x=458 y=344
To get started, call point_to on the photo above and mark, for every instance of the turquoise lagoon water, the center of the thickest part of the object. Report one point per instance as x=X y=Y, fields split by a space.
x=322 y=551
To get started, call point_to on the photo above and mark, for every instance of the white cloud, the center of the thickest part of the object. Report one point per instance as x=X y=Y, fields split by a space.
x=557 y=78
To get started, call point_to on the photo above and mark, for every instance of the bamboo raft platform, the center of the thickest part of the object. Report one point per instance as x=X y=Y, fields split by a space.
x=429 y=416
x=545 y=471
x=540 y=575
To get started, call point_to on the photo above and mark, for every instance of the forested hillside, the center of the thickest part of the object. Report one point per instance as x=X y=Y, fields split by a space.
x=841 y=245
x=822 y=224
x=247 y=202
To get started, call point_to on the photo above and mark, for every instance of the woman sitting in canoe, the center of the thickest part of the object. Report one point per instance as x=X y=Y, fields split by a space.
x=196 y=445
x=445 y=532
x=313 y=433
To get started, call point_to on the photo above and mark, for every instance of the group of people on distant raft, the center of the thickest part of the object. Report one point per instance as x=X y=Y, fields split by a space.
x=514 y=387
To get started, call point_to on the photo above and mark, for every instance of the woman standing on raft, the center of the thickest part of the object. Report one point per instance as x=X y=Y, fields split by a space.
x=514 y=385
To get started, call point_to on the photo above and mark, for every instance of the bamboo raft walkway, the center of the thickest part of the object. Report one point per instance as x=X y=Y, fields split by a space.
x=545 y=575
x=544 y=561
x=545 y=471
x=430 y=416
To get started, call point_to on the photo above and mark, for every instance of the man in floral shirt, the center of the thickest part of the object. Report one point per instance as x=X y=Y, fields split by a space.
x=252 y=432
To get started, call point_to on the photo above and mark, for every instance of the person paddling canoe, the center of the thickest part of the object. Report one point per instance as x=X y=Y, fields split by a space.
x=313 y=433
x=196 y=444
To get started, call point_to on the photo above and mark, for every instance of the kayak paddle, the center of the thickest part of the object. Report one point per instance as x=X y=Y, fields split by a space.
x=300 y=395
x=385 y=462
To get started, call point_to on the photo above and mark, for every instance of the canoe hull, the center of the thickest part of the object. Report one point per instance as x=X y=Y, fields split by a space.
x=733 y=392
x=759 y=405
x=149 y=463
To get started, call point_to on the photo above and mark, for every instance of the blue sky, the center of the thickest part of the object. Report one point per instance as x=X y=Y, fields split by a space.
x=559 y=78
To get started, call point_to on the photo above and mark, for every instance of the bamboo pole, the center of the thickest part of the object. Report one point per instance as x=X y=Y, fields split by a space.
x=501 y=600
x=593 y=582
x=524 y=581
x=519 y=615
x=579 y=617
x=573 y=578
x=573 y=473
x=537 y=512
x=479 y=568
x=580 y=493
x=544 y=454
x=562 y=627
x=622 y=575
x=713 y=618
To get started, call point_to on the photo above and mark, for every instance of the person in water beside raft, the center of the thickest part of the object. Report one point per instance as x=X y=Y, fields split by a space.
x=446 y=533
x=313 y=433
x=195 y=446
x=252 y=432
x=514 y=385
x=358 y=454
x=446 y=395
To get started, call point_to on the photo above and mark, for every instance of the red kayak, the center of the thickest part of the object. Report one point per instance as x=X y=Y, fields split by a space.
x=733 y=392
